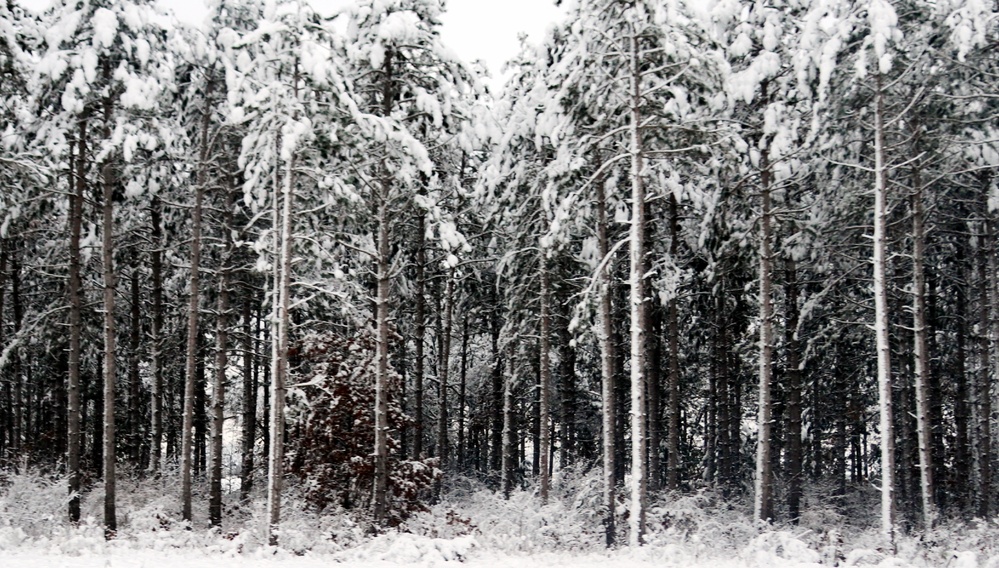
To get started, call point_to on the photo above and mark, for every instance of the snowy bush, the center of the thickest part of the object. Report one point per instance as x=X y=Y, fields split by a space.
x=332 y=430
x=33 y=503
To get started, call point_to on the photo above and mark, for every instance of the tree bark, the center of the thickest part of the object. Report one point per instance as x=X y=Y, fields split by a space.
x=544 y=401
x=794 y=466
x=107 y=257
x=763 y=504
x=75 y=440
x=134 y=384
x=962 y=462
x=509 y=435
x=249 y=433
x=462 y=387
x=881 y=324
x=421 y=334
x=604 y=333
x=221 y=365
x=156 y=364
x=383 y=261
x=673 y=333
x=921 y=353
x=193 y=313
x=639 y=323
x=990 y=344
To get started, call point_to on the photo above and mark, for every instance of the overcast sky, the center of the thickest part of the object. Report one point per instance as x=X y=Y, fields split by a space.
x=475 y=29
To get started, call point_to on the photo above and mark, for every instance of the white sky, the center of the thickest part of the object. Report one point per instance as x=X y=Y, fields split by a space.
x=474 y=29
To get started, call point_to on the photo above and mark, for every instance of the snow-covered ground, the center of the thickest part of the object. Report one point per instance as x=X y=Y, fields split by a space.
x=472 y=527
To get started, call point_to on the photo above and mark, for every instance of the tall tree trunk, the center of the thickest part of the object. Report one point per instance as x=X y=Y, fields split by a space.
x=881 y=323
x=443 y=367
x=462 y=387
x=421 y=334
x=221 y=366
x=509 y=435
x=990 y=344
x=921 y=353
x=795 y=469
x=962 y=462
x=193 y=313
x=497 y=399
x=249 y=396
x=279 y=366
x=639 y=323
x=156 y=404
x=107 y=256
x=545 y=381
x=763 y=504
x=75 y=440
x=383 y=261
x=673 y=333
x=604 y=335
x=134 y=429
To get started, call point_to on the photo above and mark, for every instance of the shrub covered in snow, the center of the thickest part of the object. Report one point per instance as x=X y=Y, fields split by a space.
x=332 y=430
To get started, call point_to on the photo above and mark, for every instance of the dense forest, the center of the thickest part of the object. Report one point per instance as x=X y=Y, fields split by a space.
x=748 y=245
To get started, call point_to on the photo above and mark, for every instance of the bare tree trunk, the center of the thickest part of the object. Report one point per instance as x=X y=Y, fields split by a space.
x=990 y=341
x=221 y=366
x=881 y=324
x=962 y=463
x=275 y=470
x=639 y=324
x=249 y=397
x=763 y=504
x=75 y=440
x=921 y=353
x=604 y=334
x=383 y=261
x=156 y=406
x=673 y=332
x=496 y=406
x=509 y=435
x=544 y=402
x=462 y=387
x=421 y=334
x=107 y=255
x=193 y=313
x=134 y=431
x=795 y=469
x=443 y=372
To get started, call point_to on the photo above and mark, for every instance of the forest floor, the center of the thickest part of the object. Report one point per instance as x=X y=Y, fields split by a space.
x=472 y=527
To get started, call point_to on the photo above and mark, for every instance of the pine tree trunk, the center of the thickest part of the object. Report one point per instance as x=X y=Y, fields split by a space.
x=221 y=366
x=604 y=334
x=107 y=256
x=545 y=382
x=249 y=433
x=134 y=429
x=881 y=324
x=921 y=354
x=75 y=440
x=795 y=469
x=509 y=435
x=990 y=304
x=962 y=463
x=497 y=399
x=460 y=459
x=639 y=323
x=156 y=364
x=383 y=261
x=421 y=334
x=443 y=367
x=275 y=466
x=763 y=504
x=673 y=333
x=193 y=313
